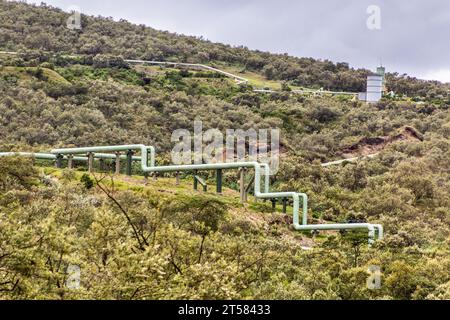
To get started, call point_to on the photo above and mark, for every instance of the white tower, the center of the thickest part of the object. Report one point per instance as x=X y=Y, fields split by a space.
x=374 y=88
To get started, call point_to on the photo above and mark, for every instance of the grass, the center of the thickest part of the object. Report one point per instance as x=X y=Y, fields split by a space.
x=259 y=214
x=30 y=73
x=82 y=72
x=166 y=186
x=257 y=80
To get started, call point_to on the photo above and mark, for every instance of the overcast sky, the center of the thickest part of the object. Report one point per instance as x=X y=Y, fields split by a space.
x=414 y=37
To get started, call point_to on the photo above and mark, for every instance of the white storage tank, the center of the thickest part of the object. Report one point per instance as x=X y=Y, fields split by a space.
x=374 y=88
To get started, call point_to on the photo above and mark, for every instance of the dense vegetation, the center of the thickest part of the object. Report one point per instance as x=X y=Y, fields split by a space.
x=137 y=242
x=43 y=28
x=178 y=245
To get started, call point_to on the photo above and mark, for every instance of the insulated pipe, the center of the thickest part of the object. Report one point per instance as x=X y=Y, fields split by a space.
x=50 y=156
x=295 y=196
x=257 y=185
x=304 y=225
x=192 y=65
x=107 y=156
x=144 y=151
x=40 y=156
x=258 y=194
x=329 y=164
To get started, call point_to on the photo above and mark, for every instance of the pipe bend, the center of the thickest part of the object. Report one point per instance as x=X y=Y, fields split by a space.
x=151 y=167
x=351 y=226
x=141 y=147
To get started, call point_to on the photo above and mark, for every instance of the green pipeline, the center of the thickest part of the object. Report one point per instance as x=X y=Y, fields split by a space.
x=296 y=197
x=50 y=156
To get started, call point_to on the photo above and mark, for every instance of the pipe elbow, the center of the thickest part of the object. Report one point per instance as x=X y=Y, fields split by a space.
x=304 y=197
x=298 y=226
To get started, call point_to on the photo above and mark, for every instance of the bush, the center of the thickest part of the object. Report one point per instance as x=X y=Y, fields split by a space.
x=17 y=172
x=109 y=61
x=87 y=181
x=199 y=214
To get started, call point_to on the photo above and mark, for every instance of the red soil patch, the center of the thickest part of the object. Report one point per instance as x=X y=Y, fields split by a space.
x=367 y=146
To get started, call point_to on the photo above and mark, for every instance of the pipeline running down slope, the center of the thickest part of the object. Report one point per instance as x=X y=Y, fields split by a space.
x=150 y=166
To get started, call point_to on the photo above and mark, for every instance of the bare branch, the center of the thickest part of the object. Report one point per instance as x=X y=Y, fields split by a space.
x=142 y=242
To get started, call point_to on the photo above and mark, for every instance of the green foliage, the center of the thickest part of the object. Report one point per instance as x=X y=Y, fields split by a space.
x=38 y=73
x=206 y=247
x=16 y=172
x=87 y=181
x=192 y=251
x=201 y=215
x=103 y=41
x=108 y=61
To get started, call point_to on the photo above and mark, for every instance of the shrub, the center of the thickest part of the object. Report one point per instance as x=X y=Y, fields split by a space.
x=87 y=181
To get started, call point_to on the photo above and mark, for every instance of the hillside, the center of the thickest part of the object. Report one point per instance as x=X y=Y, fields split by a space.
x=43 y=28
x=187 y=245
x=72 y=88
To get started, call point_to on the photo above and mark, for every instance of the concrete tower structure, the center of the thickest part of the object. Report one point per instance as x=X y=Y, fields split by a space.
x=376 y=86
x=381 y=71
